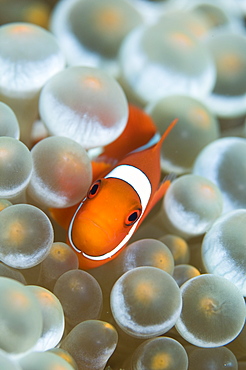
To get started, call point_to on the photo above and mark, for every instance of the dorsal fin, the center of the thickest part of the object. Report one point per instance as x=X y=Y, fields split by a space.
x=148 y=160
x=166 y=133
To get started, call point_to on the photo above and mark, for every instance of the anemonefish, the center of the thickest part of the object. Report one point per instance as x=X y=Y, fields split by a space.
x=122 y=194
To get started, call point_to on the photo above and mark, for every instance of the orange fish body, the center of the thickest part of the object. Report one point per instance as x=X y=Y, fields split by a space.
x=116 y=204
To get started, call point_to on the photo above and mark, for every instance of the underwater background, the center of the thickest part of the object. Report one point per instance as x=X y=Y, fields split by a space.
x=91 y=277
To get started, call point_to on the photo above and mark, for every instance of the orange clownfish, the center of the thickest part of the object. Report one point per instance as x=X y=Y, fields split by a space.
x=116 y=204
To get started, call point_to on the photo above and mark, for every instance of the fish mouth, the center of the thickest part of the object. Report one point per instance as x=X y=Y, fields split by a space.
x=90 y=239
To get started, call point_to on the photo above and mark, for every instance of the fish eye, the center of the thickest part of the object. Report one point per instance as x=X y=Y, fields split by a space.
x=133 y=217
x=94 y=189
